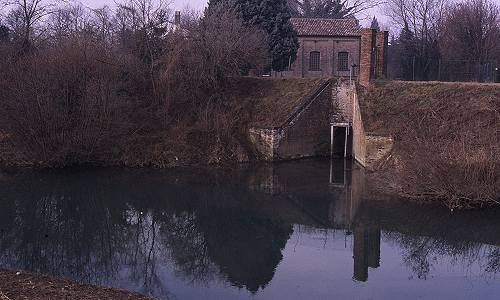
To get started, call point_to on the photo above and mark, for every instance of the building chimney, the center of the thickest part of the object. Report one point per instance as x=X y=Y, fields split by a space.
x=382 y=51
x=177 y=20
x=367 y=56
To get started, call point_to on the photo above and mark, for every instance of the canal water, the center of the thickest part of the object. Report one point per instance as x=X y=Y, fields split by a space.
x=308 y=229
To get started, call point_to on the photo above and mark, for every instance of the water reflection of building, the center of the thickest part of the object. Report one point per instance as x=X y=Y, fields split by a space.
x=338 y=210
x=366 y=251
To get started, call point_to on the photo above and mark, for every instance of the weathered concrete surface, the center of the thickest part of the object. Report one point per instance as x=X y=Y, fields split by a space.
x=342 y=109
x=307 y=133
x=304 y=134
x=358 y=129
x=264 y=141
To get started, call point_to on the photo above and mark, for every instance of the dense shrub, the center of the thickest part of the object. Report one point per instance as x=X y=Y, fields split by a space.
x=141 y=93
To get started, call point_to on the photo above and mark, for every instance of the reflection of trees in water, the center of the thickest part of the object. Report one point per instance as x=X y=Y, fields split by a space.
x=187 y=245
x=81 y=235
x=247 y=247
x=241 y=247
x=97 y=230
x=144 y=252
x=422 y=253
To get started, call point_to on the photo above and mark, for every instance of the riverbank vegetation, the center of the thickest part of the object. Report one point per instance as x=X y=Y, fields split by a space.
x=128 y=87
x=446 y=140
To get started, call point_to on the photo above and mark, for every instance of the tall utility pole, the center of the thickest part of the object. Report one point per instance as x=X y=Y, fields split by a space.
x=439 y=70
x=414 y=59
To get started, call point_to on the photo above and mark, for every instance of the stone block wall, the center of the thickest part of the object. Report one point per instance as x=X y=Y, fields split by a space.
x=265 y=142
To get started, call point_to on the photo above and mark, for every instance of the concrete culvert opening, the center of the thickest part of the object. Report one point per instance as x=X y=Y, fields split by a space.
x=341 y=140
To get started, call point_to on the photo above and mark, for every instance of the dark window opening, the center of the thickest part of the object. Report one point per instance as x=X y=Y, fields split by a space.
x=314 y=61
x=343 y=61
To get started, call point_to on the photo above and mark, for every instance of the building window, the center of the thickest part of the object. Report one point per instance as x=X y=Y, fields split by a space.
x=343 y=61
x=314 y=61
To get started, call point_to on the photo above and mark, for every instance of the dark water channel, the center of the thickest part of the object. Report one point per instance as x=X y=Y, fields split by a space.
x=298 y=230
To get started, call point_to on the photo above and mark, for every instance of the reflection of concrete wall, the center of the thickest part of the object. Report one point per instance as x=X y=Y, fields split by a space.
x=264 y=179
x=351 y=182
x=366 y=251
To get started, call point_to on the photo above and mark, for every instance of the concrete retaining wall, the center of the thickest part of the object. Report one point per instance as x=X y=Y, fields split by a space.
x=359 y=135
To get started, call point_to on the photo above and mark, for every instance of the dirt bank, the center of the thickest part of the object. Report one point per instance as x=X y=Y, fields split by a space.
x=21 y=285
x=446 y=140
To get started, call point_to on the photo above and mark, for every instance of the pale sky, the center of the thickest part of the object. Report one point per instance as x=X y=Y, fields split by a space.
x=200 y=4
x=176 y=4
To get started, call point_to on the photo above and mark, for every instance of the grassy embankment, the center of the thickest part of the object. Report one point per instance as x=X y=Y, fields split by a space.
x=446 y=140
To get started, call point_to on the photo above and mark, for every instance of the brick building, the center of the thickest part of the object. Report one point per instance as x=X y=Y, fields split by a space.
x=338 y=48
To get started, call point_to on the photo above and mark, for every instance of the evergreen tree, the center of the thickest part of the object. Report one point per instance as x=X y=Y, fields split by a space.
x=408 y=52
x=328 y=9
x=273 y=17
x=4 y=33
x=374 y=24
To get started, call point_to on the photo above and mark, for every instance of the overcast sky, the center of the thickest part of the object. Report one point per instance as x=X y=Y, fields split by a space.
x=200 y=4
x=176 y=4
x=196 y=4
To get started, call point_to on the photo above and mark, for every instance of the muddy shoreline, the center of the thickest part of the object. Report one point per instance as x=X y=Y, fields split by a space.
x=25 y=285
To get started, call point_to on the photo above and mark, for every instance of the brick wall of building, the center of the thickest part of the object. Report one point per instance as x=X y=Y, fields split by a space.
x=329 y=47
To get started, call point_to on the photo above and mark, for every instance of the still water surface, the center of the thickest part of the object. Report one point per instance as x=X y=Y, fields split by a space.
x=297 y=230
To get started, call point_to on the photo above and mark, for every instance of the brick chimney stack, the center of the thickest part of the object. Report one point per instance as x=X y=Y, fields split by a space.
x=373 y=56
x=367 y=59
x=381 y=59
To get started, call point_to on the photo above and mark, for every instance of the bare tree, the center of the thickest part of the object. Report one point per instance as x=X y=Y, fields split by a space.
x=420 y=22
x=142 y=25
x=68 y=20
x=104 y=23
x=422 y=17
x=215 y=48
x=30 y=12
x=471 y=31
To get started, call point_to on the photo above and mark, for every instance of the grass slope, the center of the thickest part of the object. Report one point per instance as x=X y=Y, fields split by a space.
x=446 y=140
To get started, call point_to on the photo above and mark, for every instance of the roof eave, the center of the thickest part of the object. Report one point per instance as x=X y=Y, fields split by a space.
x=329 y=36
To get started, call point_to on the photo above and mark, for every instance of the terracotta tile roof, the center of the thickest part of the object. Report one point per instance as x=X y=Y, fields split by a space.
x=326 y=27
